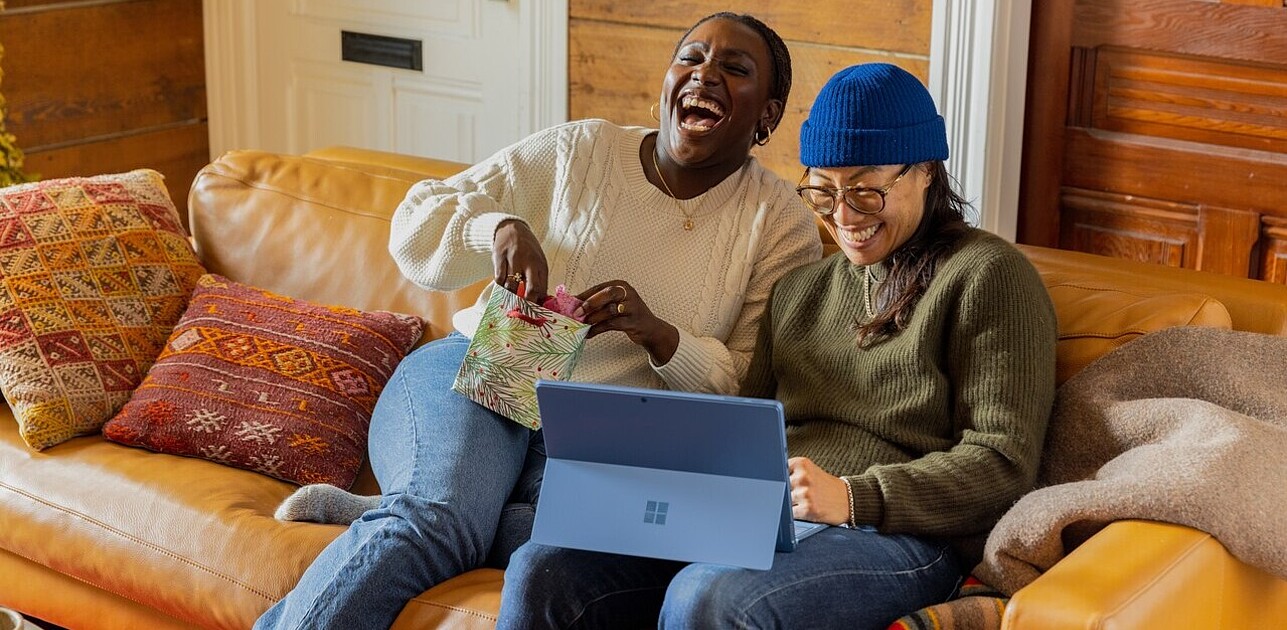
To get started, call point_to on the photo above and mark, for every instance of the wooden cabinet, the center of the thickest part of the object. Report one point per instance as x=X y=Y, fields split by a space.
x=1157 y=131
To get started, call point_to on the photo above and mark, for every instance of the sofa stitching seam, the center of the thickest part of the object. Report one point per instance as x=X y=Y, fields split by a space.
x=1192 y=317
x=458 y=609
x=1142 y=294
x=260 y=186
x=1105 y=335
x=101 y=587
x=134 y=539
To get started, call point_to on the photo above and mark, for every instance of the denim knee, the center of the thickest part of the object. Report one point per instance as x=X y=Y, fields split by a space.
x=697 y=598
x=531 y=560
x=531 y=597
x=438 y=355
x=418 y=522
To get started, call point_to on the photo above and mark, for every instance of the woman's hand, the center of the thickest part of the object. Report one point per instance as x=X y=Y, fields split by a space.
x=517 y=257
x=817 y=495
x=615 y=305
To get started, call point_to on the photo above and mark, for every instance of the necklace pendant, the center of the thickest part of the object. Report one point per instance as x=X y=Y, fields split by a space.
x=688 y=225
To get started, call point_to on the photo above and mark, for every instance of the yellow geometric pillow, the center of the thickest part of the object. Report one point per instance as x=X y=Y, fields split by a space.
x=94 y=272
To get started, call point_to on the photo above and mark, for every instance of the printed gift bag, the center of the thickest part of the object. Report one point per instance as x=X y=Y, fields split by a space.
x=518 y=342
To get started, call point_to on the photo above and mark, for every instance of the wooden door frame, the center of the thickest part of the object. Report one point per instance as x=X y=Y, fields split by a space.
x=978 y=76
x=231 y=70
x=1041 y=173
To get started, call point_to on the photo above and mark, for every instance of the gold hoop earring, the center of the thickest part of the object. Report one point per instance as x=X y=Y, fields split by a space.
x=655 y=110
x=768 y=135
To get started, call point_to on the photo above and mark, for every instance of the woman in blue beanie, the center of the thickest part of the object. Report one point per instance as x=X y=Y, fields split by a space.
x=917 y=371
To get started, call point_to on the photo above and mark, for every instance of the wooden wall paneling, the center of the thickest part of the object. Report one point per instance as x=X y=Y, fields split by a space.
x=1227 y=241
x=17 y=4
x=617 y=70
x=1171 y=169
x=176 y=152
x=1273 y=252
x=1195 y=28
x=1258 y=3
x=1082 y=76
x=1124 y=226
x=102 y=69
x=108 y=86
x=1225 y=236
x=893 y=25
x=1227 y=103
x=1045 y=115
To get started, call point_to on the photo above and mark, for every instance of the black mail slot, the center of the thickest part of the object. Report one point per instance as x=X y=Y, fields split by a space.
x=379 y=50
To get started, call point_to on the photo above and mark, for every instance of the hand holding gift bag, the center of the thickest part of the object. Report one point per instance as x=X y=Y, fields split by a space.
x=517 y=343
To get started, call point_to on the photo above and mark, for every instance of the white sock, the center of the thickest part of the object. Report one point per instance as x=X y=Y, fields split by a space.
x=324 y=503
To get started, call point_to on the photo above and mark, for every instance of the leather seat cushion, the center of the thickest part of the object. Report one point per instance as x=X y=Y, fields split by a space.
x=185 y=536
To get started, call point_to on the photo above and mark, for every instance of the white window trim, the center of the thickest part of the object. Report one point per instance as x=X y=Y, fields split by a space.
x=546 y=37
x=978 y=77
x=232 y=99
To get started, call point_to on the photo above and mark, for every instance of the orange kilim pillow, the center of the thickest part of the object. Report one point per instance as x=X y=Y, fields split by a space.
x=93 y=274
x=260 y=381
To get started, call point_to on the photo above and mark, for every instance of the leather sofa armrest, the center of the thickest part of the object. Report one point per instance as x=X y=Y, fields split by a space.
x=1144 y=574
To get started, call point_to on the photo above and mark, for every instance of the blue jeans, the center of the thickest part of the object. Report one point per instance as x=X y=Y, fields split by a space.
x=837 y=578
x=459 y=487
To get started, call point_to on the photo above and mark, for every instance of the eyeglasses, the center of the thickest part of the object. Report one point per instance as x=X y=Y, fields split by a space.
x=823 y=199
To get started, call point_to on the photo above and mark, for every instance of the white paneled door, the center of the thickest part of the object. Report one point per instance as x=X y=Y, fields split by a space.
x=489 y=72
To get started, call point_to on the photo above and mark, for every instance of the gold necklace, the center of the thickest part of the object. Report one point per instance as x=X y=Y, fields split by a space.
x=688 y=219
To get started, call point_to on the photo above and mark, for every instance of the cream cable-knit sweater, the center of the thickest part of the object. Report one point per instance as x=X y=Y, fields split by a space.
x=582 y=190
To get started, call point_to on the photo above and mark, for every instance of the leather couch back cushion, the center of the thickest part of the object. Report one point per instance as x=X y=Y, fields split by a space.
x=258 y=218
x=1096 y=317
x=1252 y=305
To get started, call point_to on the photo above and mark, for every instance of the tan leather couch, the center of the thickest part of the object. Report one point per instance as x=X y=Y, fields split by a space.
x=99 y=536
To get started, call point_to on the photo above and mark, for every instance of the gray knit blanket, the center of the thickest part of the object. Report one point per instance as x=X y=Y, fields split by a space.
x=1185 y=425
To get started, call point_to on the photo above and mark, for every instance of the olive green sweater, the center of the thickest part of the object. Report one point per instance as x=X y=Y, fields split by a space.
x=939 y=428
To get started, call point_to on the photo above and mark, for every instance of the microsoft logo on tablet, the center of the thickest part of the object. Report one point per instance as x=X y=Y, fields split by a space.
x=655 y=512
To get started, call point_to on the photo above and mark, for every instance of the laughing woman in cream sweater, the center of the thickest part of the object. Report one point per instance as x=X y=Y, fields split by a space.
x=677 y=236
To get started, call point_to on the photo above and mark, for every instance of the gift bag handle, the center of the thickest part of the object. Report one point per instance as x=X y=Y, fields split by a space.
x=535 y=321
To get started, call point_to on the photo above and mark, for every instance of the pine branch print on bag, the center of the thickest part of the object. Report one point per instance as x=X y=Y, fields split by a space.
x=516 y=344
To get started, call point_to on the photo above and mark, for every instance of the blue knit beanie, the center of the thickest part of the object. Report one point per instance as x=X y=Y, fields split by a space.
x=872 y=114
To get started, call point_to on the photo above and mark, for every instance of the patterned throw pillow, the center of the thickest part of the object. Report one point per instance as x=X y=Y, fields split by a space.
x=93 y=274
x=259 y=381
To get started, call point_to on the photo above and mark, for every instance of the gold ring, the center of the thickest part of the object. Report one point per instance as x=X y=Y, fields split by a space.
x=624 y=293
x=621 y=308
x=516 y=277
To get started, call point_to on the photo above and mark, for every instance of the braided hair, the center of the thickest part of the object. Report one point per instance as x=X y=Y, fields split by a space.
x=780 y=81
